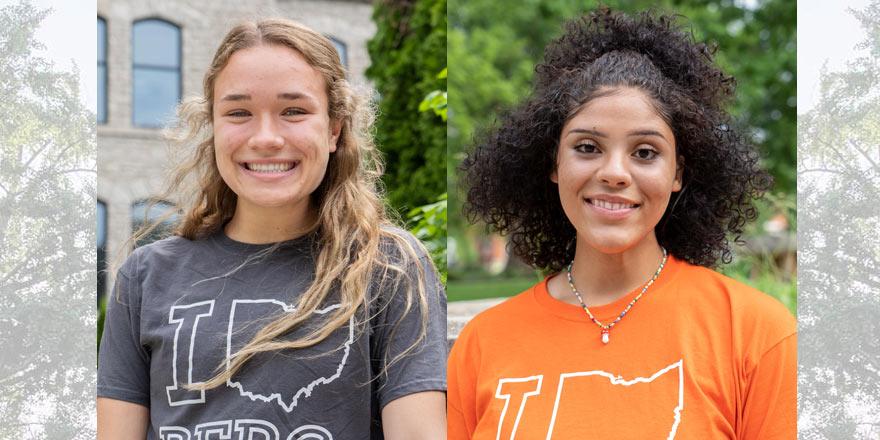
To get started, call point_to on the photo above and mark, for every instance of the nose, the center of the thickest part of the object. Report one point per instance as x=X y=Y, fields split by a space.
x=614 y=171
x=266 y=135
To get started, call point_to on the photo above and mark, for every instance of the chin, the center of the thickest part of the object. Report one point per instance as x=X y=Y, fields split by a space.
x=610 y=244
x=273 y=202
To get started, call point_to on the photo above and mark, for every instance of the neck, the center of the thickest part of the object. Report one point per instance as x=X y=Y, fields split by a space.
x=261 y=225
x=602 y=278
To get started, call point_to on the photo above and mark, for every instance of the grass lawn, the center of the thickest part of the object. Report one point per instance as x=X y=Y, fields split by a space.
x=460 y=290
x=766 y=281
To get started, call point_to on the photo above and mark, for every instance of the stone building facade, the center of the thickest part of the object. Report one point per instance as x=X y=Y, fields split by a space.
x=132 y=159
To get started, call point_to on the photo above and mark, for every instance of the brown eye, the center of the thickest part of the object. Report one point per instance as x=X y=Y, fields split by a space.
x=645 y=154
x=586 y=148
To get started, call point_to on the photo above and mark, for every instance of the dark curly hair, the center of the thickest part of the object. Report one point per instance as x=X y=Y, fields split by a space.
x=507 y=173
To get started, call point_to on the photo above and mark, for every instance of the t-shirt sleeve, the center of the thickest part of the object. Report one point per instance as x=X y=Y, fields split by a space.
x=123 y=363
x=461 y=398
x=770 y=406
x=411 y=368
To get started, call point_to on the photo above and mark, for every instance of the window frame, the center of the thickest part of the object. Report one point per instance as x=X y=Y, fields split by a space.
x=343 y=57
x=105 y=77
x=150 y=204
x=135 y=66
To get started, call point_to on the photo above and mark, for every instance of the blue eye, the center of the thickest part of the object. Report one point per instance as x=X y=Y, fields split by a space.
x=293 y=111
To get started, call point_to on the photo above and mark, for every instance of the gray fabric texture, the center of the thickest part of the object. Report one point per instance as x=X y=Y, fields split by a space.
x=180 y=306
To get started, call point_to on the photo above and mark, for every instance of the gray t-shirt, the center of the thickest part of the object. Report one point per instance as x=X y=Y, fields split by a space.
x=180 y=307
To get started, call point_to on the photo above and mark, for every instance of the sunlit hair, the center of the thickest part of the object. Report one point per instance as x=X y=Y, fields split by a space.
x=356 y=247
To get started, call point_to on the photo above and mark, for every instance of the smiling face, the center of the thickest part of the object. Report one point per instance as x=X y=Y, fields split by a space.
x=616 y=169
x=272 y=132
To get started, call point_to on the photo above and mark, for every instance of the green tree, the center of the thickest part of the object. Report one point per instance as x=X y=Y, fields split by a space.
x=429 y=225
x=47 y=240
x=407 y=52
x=493 y=49
x=839 y=255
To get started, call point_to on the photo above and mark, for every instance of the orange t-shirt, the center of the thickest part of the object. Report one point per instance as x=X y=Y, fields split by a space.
x=699 y=356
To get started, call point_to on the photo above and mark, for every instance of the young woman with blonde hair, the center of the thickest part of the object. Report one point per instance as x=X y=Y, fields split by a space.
x=286 y=305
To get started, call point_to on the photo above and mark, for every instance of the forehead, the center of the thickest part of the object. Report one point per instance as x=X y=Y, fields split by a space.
x=624 y=107
x=269 y=69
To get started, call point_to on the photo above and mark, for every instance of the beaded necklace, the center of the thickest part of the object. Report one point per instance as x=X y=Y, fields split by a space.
x=606 y=328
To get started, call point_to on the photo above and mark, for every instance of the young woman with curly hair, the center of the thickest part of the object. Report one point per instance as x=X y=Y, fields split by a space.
x=286 y=305
x=622 y=177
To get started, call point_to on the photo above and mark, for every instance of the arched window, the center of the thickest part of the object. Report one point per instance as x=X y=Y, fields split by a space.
x=102 y=71
x=341 y=48
x=101 y=244
x=146 y=212
x=156 y=71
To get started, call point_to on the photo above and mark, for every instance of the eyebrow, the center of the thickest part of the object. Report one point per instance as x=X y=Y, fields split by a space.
x=290 y=96
x=586 y=131
x=236 y=97
x=643 y=132
x=647 y=132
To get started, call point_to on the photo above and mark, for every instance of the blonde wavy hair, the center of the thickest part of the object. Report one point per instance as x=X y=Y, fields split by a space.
x=357 y=248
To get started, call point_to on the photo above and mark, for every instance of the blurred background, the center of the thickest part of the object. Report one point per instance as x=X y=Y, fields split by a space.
x=493 y=49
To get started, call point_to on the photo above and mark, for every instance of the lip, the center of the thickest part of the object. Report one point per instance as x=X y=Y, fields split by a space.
x=611 y=199
x=610 y=214
x=265 y=161
x=269 y=177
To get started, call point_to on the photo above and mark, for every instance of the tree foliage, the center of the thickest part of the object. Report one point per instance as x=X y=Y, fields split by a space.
x=839 y=264
x=493 y=49
x=436 y=101
x=429 y=225
x=47 y=240
x=407 y=53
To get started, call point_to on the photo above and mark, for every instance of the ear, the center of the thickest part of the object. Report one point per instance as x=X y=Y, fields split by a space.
x=335 y=129
x=679 y=172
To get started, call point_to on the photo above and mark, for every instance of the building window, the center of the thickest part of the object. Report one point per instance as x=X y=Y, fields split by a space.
x=156 y=71
x=147 y=212
x=102 y=249
x=102 y=71
x=342 y=49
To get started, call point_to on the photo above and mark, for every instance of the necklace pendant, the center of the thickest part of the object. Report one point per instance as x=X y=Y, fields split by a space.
x=606 y=328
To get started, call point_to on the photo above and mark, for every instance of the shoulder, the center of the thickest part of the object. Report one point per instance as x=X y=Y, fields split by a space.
x=516 y=306
x=512 y=311
x=753 y=314
x=156 y=257
x=401 y=263
x=158 y=254
x=742 y=297
x=400 y=246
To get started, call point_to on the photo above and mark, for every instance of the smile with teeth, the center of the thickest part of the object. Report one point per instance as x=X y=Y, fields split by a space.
x=271 y=167
x=611 y=206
